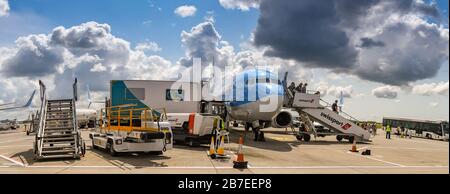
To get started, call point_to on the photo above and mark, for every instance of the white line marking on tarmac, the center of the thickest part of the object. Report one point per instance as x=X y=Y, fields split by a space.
x=340 y=167
x=250 y=167
x=12 y=160
x=131 y=166
x=376 y=159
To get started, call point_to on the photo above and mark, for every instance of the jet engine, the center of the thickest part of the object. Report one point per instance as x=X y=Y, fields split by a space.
x=282 y=120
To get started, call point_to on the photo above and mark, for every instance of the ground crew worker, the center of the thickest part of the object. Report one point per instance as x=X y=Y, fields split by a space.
x=388 y=131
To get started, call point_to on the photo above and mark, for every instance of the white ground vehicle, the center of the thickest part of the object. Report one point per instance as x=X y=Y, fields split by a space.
x=420 y=128
x=126 y=129
x=193 y=128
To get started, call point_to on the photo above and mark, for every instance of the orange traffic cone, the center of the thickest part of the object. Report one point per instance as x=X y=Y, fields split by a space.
x=212 y=148
x=240 y=163
x=221 y=150
x=354 y=146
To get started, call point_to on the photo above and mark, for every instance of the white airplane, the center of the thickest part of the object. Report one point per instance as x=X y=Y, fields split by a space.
x=27 y=105
x=7 y=104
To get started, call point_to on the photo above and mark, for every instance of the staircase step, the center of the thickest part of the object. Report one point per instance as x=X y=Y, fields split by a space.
x=58 y=128
x=61 y=100
x=59 y=135
x=71 y=138
x=59 y=119
x=58 y=142
x=54 y=147
x=58 y=151
x=59 y=111
x=60 y=156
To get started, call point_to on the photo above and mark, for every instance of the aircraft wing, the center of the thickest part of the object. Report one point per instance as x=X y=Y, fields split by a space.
x=28 y=104
x=6 y=104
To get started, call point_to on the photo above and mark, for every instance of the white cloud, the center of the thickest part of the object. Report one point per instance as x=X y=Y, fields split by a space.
x=335 y=91
x=431 y=89
x=388 y=92
x=4 y=8
x=243 y=5
x=148 y=46
x=98 y=68
x=185 y=11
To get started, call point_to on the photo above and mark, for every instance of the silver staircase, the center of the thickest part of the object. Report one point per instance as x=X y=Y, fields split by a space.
x=58 y=135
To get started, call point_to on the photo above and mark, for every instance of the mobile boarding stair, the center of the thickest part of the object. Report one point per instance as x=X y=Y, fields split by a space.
x=58 y=135
x=310 y=109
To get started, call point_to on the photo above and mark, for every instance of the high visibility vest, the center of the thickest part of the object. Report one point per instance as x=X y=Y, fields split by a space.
x=388 y=128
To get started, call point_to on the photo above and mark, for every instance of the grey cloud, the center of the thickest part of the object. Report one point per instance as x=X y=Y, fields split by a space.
x=34 y=58
x=369 y=43
x=336 y=35
x=388 y=92
x=306 y=31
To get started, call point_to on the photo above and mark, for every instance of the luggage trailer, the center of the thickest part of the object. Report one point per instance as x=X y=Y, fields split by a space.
x=128 y=129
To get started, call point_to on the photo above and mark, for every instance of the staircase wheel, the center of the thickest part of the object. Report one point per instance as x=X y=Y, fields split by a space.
x=299 y=137
x=307 y=137
x=339 y=138
x=350 y=139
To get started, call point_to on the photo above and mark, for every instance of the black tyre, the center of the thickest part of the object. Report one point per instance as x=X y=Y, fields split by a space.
x=235 y=125
x=299 y=137
x=307 y=137
x=94 y=146
x=110 y=147
x=339 y=138
x=191 y=142
x=350 y=139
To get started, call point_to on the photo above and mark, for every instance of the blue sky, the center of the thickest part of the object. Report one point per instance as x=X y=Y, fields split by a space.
x=139 y=21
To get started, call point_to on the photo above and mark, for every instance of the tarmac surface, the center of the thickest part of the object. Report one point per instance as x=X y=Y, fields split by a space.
x=281 y=153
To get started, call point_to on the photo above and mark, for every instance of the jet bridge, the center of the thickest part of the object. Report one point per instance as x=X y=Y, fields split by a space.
x=310 y=108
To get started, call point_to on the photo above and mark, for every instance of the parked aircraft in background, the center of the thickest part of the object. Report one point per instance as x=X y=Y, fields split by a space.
x=27 y=105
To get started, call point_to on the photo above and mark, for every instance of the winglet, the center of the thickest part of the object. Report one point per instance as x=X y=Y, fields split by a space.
x=88 y=96
x=28 y=104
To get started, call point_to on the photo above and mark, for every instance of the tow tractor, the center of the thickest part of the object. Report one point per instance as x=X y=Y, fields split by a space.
x=125 y=128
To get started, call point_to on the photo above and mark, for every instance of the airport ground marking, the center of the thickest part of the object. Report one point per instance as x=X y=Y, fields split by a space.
x=376 y=159
x=12 y=160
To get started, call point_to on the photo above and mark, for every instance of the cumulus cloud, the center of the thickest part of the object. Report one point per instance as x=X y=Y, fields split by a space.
x=431 y=89
x=335 y=91
x=388 y=92
x=148 y=46
x=391 y=42
x=4 y=8
x=88 y=51
x=185 y=11
x=243 y=5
